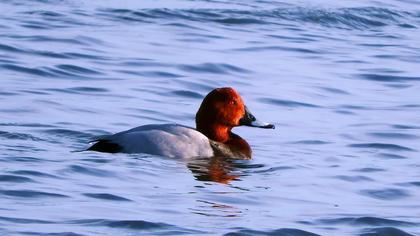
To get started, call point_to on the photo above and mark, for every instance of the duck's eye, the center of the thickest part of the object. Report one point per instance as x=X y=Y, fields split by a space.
x=233 y=102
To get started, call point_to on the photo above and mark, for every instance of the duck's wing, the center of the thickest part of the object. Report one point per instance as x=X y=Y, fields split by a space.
x=165 y=140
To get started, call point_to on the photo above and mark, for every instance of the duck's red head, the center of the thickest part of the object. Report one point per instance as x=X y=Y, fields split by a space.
x=221 y=110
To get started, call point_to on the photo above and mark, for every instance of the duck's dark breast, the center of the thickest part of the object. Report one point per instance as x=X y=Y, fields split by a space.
x=236 y=147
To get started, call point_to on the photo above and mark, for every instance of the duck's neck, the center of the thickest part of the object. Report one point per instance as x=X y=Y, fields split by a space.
x=215 y=132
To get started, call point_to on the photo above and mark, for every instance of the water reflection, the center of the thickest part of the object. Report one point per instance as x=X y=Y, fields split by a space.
x=217 y=169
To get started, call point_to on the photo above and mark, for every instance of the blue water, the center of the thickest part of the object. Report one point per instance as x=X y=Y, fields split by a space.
x=340 y=79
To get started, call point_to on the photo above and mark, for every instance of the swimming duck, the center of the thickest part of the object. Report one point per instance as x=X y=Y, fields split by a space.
x=221 y=110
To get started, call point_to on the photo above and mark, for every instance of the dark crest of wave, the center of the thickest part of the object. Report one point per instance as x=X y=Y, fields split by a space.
x=344 y=18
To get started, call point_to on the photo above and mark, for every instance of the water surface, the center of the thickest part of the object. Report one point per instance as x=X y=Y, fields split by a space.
x=340 y=80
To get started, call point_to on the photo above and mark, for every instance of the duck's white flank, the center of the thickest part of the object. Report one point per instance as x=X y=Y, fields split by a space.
x=169 y=140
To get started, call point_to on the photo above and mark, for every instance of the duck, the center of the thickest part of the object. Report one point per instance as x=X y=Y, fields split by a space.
x=221 y=110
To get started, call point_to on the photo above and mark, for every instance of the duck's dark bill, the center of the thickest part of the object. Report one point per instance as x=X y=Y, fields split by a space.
x=249 y=120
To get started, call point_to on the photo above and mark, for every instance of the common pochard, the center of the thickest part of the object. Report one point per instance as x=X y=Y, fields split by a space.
x=221 y=110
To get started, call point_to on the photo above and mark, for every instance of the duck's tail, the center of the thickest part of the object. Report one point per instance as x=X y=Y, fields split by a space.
x=104 y=145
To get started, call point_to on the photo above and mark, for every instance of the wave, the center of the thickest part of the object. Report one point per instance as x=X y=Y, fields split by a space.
x=32 y=233
x=140 y=225
x=366 y=220
x=15 y=179
x=385 y=194
x=389 y=78
x=86 y=170
x=73 y=72
x=30 y=194
x=277 y=232
x=19 y=136
x=344 y=18
x=385 y=146
x=391 y=135
x=287 y=103
x=106 y=196
x=24 y=220
x=385 y=231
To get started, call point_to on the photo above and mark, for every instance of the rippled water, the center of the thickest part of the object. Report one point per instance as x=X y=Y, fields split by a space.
x=339 y=79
